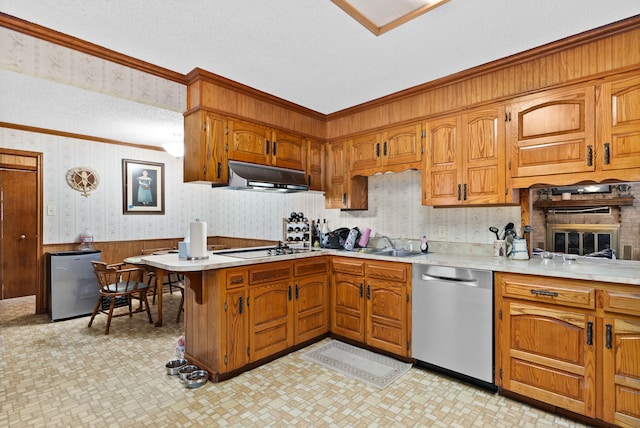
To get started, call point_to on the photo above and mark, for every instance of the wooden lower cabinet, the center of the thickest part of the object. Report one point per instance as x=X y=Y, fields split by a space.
x=371 y=304
x=238 y=316
x=557 y=343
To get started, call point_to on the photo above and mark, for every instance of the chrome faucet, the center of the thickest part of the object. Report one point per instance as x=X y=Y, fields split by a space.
x=390 y=241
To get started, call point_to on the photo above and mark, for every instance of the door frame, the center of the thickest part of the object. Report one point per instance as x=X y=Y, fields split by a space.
x=31 y=161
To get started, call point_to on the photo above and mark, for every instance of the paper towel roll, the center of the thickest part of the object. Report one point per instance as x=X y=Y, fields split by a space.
x=198 y=238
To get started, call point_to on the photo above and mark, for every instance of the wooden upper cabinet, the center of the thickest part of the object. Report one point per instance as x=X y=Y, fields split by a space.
x=249 y=142
x=395 y=149
x=402 y=146
x=288 y=150
x=341 y=190
x=253 y=143
x=552 y=132
x=364 y=153
x=205 y=157
x=315 y=165
x=443 y=159
x=621 y=124
x=465 y=159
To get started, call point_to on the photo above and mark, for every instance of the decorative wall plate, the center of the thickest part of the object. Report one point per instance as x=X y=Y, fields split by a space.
x=83 y=179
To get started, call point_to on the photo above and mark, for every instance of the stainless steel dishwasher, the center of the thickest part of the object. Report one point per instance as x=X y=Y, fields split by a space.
x=452 y=326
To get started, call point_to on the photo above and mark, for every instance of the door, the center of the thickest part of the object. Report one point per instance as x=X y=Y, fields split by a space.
x=443 y=163
x=19 y=233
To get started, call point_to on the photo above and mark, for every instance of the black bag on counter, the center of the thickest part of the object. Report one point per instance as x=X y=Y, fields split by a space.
x=335 y=239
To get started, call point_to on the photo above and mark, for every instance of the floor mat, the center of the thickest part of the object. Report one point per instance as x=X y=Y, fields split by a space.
x=373 y=369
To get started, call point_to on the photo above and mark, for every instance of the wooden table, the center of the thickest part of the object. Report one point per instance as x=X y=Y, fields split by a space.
x=159 y=274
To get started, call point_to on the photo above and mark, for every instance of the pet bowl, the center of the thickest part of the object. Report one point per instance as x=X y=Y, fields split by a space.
x=185 y=371
x=197 y=379
x=174 y=366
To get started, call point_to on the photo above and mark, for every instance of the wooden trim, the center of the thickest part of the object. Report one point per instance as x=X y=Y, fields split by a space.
x=200 y=75
x=74 y=135
x=499 y=64
x=61 y=39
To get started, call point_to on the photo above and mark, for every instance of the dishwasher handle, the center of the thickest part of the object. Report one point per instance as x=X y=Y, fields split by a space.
x=472 y=282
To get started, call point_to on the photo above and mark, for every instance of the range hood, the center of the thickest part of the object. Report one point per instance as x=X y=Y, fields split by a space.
x=248 y=176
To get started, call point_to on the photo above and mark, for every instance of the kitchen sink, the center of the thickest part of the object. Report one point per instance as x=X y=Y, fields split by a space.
x=392 y=252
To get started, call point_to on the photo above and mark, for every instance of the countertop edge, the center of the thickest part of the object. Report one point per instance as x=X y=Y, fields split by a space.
x=604 y=270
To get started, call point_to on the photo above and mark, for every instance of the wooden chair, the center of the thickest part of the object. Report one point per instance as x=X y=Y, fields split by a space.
x=172 y=279
x=116 y=283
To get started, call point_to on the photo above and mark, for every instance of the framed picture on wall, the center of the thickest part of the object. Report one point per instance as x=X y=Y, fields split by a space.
x=142 y=187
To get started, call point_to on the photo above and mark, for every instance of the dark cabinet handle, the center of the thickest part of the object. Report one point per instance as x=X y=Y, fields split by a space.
x=377 y=150
x=368 y=292
x=361 y=289
x=589 y=155
x=544 y=293
x=289 y=293
x=607 y=153
x=297 y=292
x=275 y=146
x=589 y=333
x=344 y=199
x=464 y=193
x=267 y=146
x=607 y=336
x=240 y=304
x=459 y=191
x=219 y=169
x=384 y=150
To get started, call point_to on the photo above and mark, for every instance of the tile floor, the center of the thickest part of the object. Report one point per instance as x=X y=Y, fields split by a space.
x=64 y=374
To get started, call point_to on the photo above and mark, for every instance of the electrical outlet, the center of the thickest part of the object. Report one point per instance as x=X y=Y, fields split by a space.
x=442 y=233
x=51 y=210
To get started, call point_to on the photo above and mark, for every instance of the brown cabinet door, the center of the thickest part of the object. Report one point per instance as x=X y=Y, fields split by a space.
x=621 y=366
x=442 y=172
x=336 y=178
x=249 y=142
x=236 y=330
x=348 y=308
x=288 y=151
x=387 y=315
x=402 y=145
x=270 y=320
x=315 y=165
x=365 y=153
x=19 y=233
x=483 y=172
x=620 y=145
x=205 y=155
x=553 y=133
x=548 y=354
x=311 y=307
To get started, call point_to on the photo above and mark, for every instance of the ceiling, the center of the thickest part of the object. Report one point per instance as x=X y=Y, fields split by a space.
x=308 y=52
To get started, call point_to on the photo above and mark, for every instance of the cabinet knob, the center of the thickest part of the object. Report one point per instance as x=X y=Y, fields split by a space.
x=23 y=237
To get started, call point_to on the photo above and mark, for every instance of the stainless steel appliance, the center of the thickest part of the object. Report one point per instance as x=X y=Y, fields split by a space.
x=259 y=252
x=72 y=285
x=247 y=176
x=452 y=328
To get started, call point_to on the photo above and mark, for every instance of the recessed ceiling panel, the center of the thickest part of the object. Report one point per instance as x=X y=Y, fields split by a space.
x=380 y=16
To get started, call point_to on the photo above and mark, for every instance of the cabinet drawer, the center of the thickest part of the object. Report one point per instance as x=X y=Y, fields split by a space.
x=314 y=265
x=621 y=301
x=389 y=271
x=547 y=290
x=269 y=272
x=351 y=266
x=235 y=278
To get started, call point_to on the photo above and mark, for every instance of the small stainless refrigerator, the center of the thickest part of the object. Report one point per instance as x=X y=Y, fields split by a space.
x=72 y=286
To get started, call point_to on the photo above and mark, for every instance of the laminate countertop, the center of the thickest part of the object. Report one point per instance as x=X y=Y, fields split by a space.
x=595 y=269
